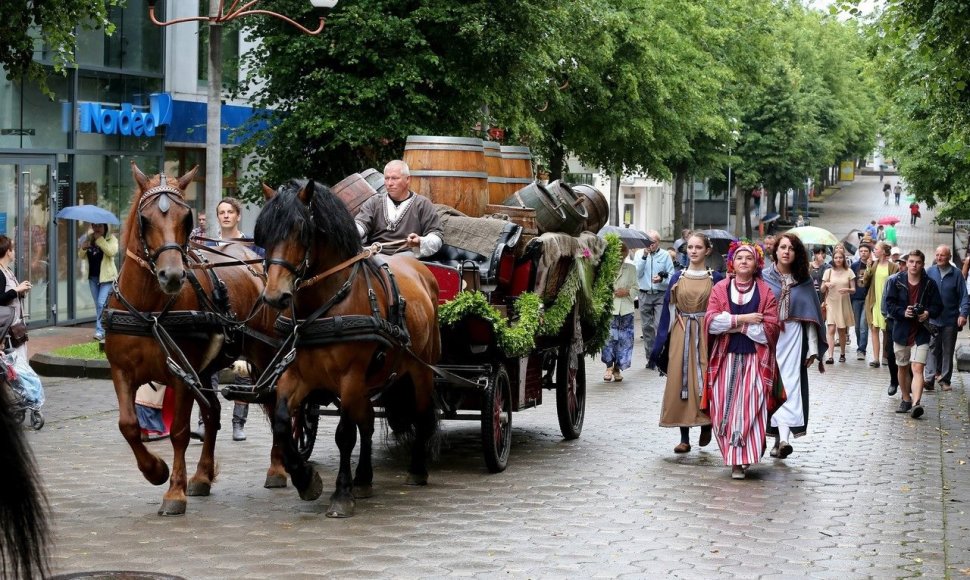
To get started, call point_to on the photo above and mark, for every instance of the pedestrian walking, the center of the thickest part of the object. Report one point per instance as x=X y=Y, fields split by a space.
x=886 y=190
x=817 y=269
x=680 y=350
x=618 y=351
x=858 y=301
x=890 y=234
x=956 y=307
x=800 y=342
x=912 y=300
x=838 y=284
x=742 y=317
x=872 y=230
x=914 y=213
x=654 y=269
x=880 y=268
x=897 y=192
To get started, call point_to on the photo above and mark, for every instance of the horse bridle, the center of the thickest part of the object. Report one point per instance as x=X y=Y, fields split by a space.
x=164 y=194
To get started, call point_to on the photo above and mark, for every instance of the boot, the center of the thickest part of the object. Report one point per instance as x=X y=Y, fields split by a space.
x=199 y=432
x=239 y=413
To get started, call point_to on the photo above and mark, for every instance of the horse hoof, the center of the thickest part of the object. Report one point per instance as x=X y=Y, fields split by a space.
x=314 y=489
x=416 y=479
x=198 y=489
x=172 y=507
x=161 y=476
x=343 y=508
x=363 y=491
x=274 y=481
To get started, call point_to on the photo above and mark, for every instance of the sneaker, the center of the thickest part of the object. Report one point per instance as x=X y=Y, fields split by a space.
x=198 y=433
x=904 y=407
x=917 y=410
x=892 y=390
x=860 y=355
x=237 y=432
x=99 y=337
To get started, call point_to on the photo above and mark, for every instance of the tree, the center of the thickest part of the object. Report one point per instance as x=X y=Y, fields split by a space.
x=25 y=24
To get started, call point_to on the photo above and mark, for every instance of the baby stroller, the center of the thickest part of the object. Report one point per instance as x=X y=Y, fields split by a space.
x=26 y=393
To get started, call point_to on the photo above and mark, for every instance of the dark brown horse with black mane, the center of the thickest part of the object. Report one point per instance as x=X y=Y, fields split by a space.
x=179 y=314
x=365 y=328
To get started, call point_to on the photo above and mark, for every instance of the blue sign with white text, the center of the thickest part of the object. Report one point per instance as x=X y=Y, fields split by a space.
x=126 y=120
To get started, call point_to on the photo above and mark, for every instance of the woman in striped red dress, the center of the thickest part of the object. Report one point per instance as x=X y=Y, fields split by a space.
x=742 y=324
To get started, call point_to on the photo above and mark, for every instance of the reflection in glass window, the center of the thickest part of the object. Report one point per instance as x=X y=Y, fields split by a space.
x=135 y=45
x=29 y=119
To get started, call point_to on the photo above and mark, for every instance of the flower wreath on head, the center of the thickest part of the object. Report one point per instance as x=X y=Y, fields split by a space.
x=745 y=244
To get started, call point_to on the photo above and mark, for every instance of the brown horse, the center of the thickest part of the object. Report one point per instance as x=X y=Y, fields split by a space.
x=364 y=332
x=162 y=311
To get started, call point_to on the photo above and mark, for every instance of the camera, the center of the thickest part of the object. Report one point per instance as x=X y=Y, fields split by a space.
x=663 y=275
x=918 y=309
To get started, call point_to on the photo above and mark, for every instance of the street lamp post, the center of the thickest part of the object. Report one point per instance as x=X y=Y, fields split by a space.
x=218 y=16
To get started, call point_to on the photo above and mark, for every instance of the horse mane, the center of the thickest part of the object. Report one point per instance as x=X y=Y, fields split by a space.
x=23 y=505
x=327 y=215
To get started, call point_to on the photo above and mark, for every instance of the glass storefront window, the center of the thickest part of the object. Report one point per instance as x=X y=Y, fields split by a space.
x=135 y=45
x=30 y=120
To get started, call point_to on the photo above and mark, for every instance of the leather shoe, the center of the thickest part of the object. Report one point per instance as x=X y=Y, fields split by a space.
x=917 y=410
x=705 y=439
x=682 y=448
x=774 y=450
x=929 y=386
x=904 y=407
x=892 y=390
x=784 y=450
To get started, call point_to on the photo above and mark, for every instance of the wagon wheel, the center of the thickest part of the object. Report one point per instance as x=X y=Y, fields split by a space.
x=305 y=425
x=36 y=420
x=570 y=393
x=497 y=420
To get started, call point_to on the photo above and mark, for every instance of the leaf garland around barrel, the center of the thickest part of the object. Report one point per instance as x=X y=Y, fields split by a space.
x=518 y=339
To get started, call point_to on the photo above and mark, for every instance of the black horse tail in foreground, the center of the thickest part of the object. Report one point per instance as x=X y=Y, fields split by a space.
x=23 y=506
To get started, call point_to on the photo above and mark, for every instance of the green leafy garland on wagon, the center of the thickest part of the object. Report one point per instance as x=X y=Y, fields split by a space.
x=519 y=338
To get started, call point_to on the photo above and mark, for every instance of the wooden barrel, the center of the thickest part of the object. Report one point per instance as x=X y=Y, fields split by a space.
x=449 y=171
x=517 y=168
x=375 y=178
x=551 y=216
x=524 y=216
x=572 y=202
x=597 y=208
x=354 y=190
x=496 y=176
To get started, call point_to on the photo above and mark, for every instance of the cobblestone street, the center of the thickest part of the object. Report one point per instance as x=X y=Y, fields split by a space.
x=867 y=493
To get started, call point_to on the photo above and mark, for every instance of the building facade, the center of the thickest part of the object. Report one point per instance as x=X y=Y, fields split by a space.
x=135 y=96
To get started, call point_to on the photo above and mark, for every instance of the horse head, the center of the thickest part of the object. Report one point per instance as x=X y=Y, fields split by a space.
x=163 y=222
x=304 y=229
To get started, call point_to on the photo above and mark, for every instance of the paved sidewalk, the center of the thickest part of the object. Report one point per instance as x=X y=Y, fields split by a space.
x=867 y=493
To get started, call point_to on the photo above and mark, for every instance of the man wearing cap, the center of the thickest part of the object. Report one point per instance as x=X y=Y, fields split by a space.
x=858 y=300
x=895 y=257
x=912 y=298
x=654 y=269
x=956 y=306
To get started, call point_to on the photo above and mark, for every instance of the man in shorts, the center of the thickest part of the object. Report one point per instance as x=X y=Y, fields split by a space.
x=912 y=300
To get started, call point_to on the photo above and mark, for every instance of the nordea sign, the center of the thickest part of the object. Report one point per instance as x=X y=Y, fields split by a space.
x=128 y=121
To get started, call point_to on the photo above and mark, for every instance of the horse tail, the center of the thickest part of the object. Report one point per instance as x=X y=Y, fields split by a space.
x=23 y=505
x=402 y=418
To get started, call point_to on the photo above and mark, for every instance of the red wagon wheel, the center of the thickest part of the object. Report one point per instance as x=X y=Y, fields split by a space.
x=497 y=420
x=570 y=393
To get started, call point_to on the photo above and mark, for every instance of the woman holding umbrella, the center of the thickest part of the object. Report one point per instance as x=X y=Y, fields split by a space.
x=681 y=347
x=100 y=248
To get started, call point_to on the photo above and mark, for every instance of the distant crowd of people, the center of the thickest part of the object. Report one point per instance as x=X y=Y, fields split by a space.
x=737 y=350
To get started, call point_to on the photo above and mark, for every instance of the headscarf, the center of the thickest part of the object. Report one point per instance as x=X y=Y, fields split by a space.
x=746 y=246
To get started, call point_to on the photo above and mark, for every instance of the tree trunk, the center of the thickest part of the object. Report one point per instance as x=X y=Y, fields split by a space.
x=746 y=198
x=678 y=204
x=557 y=155
x=739 y=208
x=615 y=199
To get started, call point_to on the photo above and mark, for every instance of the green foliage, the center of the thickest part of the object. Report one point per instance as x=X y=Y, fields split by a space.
x=27 y=26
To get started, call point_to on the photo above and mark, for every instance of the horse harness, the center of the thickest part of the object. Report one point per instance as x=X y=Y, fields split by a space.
x=216 y=314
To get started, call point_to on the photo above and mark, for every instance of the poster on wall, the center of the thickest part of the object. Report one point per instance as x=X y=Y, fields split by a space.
x=847 y=171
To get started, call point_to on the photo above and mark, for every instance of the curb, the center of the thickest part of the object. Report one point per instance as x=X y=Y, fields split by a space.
x=56 y=366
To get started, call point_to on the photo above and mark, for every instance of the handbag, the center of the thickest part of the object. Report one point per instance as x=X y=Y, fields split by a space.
x=18 y=333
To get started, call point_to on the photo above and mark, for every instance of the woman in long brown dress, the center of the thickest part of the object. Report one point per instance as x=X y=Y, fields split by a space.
x=838 y=284
x=682 y=321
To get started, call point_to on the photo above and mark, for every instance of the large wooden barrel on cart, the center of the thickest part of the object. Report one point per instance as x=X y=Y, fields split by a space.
x=572 y=203
x=450 y=171
x=516 y=168
x=551 y=215
x=355 y=189
x=597 y=208
x=496 y=175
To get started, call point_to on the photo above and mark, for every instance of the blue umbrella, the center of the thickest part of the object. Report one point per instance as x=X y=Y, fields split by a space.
x=88 y=213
